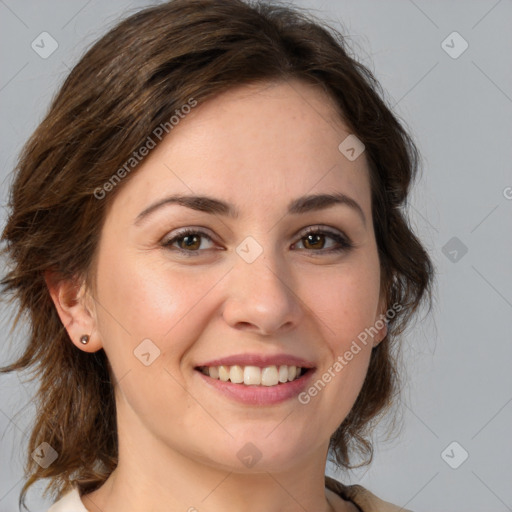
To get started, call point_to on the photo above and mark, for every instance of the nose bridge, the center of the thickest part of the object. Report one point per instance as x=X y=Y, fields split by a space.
x=260 y=292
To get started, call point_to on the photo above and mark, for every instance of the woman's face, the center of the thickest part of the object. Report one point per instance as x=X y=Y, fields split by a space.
x=252 y=290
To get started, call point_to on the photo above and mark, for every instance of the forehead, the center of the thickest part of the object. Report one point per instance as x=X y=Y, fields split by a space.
x=254 y=146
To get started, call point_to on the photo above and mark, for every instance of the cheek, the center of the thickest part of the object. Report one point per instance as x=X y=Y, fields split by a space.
x=344 y=311
x=147 y=308
x=144 y=298
x=345 y=304
x=344 y=301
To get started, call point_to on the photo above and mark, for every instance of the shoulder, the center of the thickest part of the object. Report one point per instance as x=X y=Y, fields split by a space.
x=70 y=502
x=362 y=497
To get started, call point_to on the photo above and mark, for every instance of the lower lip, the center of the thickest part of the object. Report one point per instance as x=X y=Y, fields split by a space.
x=259 y=395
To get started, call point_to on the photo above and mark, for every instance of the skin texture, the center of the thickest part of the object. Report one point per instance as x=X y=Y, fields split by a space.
x=257 y=147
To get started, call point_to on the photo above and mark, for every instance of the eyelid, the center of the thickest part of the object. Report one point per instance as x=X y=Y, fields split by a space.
x=321 y=228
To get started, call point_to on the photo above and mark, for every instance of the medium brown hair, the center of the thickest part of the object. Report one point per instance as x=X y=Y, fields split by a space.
x=131 y=81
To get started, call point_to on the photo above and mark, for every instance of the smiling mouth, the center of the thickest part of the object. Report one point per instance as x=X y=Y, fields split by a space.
x=254 y=375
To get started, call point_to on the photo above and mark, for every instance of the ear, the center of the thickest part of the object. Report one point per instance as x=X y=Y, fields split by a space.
x=75 y=309
x=380 y=322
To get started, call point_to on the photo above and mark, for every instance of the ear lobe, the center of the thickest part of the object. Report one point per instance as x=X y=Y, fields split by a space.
x=69 y=298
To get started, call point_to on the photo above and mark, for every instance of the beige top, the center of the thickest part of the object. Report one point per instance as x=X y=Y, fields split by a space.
x=361 y=497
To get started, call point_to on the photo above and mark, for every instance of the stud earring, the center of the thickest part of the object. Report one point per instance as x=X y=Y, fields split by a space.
x=84 y=339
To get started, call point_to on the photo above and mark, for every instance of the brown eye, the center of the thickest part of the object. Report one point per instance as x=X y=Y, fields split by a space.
x=315 y=240
x=187 y=242
x=190 y=242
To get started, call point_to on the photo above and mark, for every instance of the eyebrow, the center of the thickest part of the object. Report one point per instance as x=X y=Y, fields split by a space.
x=301 y=205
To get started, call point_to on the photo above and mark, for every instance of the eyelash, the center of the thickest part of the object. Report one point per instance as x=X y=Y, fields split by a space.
x=344 y=243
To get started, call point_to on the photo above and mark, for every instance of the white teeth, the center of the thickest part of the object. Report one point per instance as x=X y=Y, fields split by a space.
x=269 y=376
x=253 y=375
x=236 y=374
x=224 y=373
x=292 y=372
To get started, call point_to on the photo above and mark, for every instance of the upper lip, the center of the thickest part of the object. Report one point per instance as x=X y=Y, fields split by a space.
x=259 y=360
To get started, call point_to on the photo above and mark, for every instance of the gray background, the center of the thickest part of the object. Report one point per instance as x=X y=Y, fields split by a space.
x=458 y=385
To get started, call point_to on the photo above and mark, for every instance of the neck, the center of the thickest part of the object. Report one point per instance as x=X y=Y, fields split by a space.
x=153 y=475
x=165 y=480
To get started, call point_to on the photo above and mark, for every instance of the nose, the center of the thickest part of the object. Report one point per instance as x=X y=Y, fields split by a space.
x=260 y=297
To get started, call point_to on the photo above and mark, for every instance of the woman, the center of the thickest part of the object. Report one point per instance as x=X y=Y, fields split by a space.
x=206 y=234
